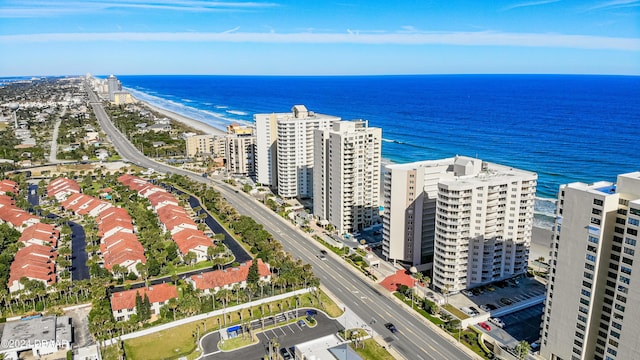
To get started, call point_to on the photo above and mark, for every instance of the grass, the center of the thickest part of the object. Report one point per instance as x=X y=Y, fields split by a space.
x=237 y=342
x=180 y=340
x=373 y=351
x=455 y=312
x=110 y=352
x=469 y=337
x=434 y=319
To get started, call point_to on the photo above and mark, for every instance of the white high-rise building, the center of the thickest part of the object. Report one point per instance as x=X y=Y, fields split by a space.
x=284 y=149
x=469 y=221
x=346 y=183
x=113 y=85
x=591 y=310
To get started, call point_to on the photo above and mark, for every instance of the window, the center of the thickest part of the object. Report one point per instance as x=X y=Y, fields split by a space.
x=591 y=257
x=625 y=270
x=588 y=275
x=586 y=293
x=597 y=202
x=624 y=280
x=595 y=220
x=593 y=239
x=630 y=241
x=616 y=325
x=627 y=261
x=629 y=251
x=631 y=231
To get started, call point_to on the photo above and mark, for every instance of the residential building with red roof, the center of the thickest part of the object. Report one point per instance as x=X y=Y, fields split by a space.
x=41 y=234
x=60 y=188
x=213 y=281
x=195 y=241
x=123 y=303
x=8 y=186
x=15 y=217
x=82 y=204
x=34 y=262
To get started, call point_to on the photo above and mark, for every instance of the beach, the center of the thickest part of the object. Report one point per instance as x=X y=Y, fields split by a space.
x=195 y=124
x=540 y=244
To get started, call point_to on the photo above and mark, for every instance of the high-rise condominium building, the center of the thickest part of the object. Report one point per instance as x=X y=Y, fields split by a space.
x=284 y=149
x=113 y=84
x=593 y=296
x=240 y=144
x=469 y=221
x=346 y=177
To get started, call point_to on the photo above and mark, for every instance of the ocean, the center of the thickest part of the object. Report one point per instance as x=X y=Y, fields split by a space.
x=566 y=128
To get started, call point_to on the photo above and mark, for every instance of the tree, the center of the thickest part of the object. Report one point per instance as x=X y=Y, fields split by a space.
x=253 y=276
x=522 y=349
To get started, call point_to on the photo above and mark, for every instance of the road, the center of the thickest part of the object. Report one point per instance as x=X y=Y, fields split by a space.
x=415 y=339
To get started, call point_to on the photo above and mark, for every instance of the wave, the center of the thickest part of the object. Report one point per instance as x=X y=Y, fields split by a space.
x=237 y=112
x=187 y=100
x=221 y=107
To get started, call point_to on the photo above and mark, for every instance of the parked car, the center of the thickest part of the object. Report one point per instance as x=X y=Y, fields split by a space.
x=322 y=257
x=484 y=307
x=285 y=354
x=301 y=323
x=475 y=311
x=467 y=293
x=485 y=326
x=468 y=311
x=491 y=306
x=497 y=322
x=391 y=327
x=323 y=252
x=506 y=301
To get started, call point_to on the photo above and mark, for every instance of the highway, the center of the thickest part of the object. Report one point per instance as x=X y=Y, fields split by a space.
x=415 y=340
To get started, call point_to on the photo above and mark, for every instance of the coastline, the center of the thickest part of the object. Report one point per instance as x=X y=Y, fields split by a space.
x=195 y=124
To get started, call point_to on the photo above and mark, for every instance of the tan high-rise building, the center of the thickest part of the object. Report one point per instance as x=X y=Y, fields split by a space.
x=284 y=149
x=240 y=151
x=346 y=184
x=591 y=310
x=469 y=221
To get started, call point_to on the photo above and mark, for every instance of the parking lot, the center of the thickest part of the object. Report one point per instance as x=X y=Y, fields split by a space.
x=287 y=335
x=520 y=325
x=489 y=300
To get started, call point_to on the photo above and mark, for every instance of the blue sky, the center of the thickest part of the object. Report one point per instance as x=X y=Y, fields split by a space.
x=306 y=37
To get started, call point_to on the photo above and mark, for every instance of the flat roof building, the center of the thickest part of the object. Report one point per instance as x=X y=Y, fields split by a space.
x=284 y=149
x=42 y=335
x=591 y=310
x=346 y=184
x=468 y=220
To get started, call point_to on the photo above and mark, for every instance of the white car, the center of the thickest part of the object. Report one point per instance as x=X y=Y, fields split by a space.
x=497 y=322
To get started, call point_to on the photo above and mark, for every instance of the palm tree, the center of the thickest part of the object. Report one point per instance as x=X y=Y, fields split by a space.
x=522 y=349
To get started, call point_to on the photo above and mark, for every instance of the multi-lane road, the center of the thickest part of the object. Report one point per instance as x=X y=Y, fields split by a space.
x=415 y=340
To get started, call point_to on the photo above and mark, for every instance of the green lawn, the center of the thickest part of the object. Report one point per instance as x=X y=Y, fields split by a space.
x=237 y=342
x=373 y=351
x=455 y=312
x=180 y=340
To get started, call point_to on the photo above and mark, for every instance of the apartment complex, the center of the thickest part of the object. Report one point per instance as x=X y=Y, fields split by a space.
x=591 y=309
x=468 y=220
x=346 y=178
x=201 y=145
x=240 y=144
x=284 y=149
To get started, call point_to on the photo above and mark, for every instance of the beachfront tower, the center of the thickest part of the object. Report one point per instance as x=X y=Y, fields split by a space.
x=467 y=220
x=284 y=150
x=113 y=84
x=240 y=143
x=591 y=309
x=346 y=183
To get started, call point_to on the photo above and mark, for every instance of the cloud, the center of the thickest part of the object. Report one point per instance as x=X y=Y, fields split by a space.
x=527 y=4
x=38 y=8
x=482 y=38
x=615 y=4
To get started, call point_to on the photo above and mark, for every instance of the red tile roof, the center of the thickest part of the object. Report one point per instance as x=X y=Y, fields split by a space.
x=7 y=185
x=189 y=239
x=16 y=216
x=62 y=185
x=401 y=277
x=42 y=232
x=220 y=278
x=156 y=293
x=34 y=262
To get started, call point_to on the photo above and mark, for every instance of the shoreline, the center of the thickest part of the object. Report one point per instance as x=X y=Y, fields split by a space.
x=190 y=122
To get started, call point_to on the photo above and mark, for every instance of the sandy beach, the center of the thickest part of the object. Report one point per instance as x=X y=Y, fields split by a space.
x=195 y=124
x=540 y=244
